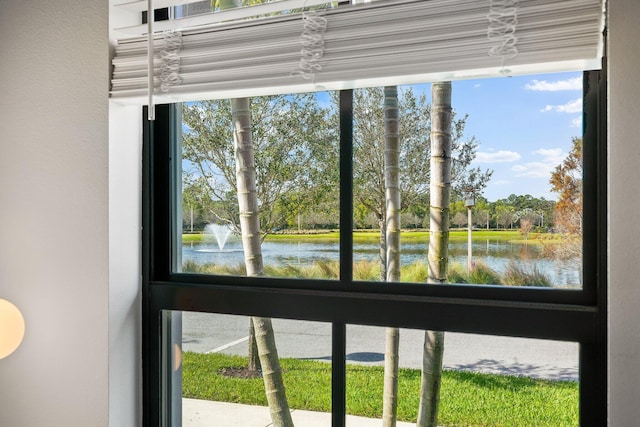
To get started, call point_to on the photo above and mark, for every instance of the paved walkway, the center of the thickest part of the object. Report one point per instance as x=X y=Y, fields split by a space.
x=204 y=413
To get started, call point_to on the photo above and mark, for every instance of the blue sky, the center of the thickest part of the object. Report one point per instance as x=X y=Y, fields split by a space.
x=524 y=126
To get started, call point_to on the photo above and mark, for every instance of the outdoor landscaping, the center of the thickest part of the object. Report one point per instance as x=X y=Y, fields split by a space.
x=467 y=399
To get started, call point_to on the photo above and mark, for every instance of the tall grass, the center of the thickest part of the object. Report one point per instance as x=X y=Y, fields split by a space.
x=480 y=274
x=515 y=275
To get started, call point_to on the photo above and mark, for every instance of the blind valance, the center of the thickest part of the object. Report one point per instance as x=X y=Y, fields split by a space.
x=387 y=42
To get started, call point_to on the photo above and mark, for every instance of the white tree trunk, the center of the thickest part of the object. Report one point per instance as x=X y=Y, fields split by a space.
x=252 y=245
x=251 y=242
x=392 y=238
x=438 y=245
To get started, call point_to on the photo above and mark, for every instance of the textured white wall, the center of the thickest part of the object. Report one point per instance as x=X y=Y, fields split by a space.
x=624 y=205
x=54 y=210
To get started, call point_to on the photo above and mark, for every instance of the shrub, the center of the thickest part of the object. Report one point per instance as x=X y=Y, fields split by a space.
x=516 y=275
x=480 y=274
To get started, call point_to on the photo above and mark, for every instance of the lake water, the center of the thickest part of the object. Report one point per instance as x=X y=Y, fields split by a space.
x=496 y=255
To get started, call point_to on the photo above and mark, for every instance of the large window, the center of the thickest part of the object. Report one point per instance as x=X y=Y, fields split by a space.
x=320 y=193
x=353 y=209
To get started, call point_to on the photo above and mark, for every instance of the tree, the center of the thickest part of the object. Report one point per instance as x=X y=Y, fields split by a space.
x=527 y=218
x=295 y=157
x=415 y=125
x=251 y=242
x=566 y=180
x=481 y=217
x=460 y=219
x=261 y=328
x=504 y=215
x=441 y=150
x=392 y=226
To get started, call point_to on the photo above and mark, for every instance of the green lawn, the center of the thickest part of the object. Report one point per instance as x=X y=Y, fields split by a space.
x=467 y=399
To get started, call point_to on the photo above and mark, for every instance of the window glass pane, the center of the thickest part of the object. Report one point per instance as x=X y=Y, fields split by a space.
x=487 y=380
x=218 y=388
x=515 y=182
x=290 y=144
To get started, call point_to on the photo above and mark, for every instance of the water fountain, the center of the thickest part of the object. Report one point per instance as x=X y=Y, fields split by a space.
x=220 y=232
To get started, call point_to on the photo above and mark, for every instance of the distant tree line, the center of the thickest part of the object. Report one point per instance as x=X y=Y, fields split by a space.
x=509 y=213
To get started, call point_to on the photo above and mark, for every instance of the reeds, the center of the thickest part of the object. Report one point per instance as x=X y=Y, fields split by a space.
x=514 y=275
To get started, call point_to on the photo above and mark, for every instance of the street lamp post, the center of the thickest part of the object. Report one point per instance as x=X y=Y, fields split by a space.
x=469 y=202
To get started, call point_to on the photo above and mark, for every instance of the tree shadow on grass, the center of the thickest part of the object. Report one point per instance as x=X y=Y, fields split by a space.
x=361 y=357
x=519 y=369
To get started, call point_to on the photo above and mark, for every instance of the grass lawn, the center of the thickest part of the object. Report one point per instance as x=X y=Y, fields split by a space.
x=467 y=399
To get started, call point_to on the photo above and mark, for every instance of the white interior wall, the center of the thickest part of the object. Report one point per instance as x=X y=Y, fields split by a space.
x=624 y=227
x=125 y=357
x=54 y=214
x=54 y=210
x=125 y=313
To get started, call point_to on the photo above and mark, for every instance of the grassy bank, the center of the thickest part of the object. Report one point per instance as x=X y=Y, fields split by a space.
x=372 y=236
x=416 y=272
x=466 y=398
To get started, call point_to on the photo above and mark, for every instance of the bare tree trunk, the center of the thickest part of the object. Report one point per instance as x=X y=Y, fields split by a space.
x=390 y=390
x=262 y=330
x=438 y=245
x=392 y=196
x=251 y=242
x=254 y=357
x=382 y=224
x=431 y=378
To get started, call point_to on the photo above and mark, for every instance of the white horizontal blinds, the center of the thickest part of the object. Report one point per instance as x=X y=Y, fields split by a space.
x=373 y=44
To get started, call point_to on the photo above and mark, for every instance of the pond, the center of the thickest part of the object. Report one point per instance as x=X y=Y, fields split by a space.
x=497 y=255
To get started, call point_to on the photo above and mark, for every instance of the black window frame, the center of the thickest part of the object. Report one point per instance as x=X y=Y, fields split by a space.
x=569 y=315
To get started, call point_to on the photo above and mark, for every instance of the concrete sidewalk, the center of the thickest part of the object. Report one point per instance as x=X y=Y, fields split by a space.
x=204 y=413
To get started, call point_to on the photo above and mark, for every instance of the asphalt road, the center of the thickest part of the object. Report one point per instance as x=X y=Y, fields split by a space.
x=205 y=333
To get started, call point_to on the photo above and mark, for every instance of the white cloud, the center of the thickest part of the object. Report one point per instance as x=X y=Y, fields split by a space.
x=533 y=170
x=477 y=85
x=550 y=158
x=502 y=156
x=576 y=123
x=574 y=106
x=551 y=155
x=545 y=86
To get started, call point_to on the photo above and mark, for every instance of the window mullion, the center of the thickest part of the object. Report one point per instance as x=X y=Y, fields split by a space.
x=339 y=332
x=346 y=186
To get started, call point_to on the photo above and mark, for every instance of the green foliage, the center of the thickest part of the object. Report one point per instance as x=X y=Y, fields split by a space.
x=295 y=156
x=416 y=272
x=479 y=274
x=415 y=153
x=366 y=270
x=470 y=399
x=516 y=275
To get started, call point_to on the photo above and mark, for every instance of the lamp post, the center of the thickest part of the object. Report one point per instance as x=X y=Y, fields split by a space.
x=469 y=202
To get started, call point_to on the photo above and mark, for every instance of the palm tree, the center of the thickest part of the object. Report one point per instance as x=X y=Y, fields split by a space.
x=438 y=245
x=252 y=245
x=392 y=195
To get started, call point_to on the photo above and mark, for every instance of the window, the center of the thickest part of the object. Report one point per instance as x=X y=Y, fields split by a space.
x=571 y=315
x=312 y=131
